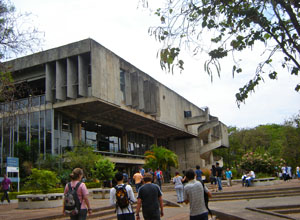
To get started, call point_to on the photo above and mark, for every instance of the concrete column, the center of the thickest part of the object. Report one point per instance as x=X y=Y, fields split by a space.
x=76 y=132
x=153 y=99
x=128 y=100
x=72 y=78
x=82 y=76
x=209 y=135
x=141 y=92
x=50 y=82
x=211 y=158
x=61 y=80
x=124 y=147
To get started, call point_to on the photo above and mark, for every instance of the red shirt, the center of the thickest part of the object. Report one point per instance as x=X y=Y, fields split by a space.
x=5 y=184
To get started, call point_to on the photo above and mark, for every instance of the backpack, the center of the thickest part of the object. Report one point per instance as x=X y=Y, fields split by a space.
x=122 y=196
x=71 y=200
x=158 y=175
x=206 y=199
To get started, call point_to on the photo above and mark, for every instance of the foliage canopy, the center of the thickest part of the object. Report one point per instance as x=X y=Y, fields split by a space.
x=232 y=26
x=160 y=157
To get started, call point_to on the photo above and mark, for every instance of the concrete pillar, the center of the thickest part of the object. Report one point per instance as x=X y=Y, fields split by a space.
x=72 y=78
x=128 y=100
x=211 y=158
x=141 y=92
x=61 y=80
x=124 y=148
x=76 y=132
x=82 y=76
x=50 y=82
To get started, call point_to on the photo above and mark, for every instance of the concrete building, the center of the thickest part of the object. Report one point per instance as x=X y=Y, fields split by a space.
x=84 y=92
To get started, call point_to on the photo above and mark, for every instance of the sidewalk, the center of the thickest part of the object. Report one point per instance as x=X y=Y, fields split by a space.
x=236 y=207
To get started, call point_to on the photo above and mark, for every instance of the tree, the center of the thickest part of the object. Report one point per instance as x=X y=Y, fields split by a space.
x=104 y=169
x=238 y=26
x=160 y=157
x=83 y=157
x=18 y=35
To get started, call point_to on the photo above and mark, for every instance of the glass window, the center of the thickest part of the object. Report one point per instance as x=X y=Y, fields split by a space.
x=48 y=128
x=23 y=128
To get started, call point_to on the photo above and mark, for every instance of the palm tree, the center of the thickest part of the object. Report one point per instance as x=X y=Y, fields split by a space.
x=159 y=156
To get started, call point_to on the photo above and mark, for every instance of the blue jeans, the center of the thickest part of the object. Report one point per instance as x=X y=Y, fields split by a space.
x=203 y=216
x=219 y=180
x=179 y=192
x=248 y=181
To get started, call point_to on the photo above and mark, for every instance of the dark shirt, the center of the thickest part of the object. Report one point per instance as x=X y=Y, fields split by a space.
x=213 y=170
x=219 y=171
x=149 y=194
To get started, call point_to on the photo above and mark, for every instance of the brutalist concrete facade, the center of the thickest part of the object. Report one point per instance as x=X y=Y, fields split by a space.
x=89 y=90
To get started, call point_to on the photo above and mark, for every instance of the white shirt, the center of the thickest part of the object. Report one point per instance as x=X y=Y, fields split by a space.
x=112 y=199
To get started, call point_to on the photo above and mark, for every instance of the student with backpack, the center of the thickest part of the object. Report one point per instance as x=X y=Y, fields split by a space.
x=122 y=197
x=76 y=202
x=159 y=178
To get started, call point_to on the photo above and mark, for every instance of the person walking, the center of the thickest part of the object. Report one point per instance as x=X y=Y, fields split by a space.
x=228 y=175
x=177 y=180
x=219 y=172
x=124 y=212
x=298 y=172
x=199 y=173
x=159 y=178
x=138 y=178
x=82 y=193
x=6 y=185
x=213 y=177
x=150 y=199
x=194 y=195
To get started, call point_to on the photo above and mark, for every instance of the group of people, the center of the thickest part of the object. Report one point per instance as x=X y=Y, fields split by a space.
x=138 y=177
x=286 y=172
x=149 y=196
x=248 y=178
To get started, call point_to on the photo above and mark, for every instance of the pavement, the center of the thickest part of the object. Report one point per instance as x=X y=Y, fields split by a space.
x=236 y=208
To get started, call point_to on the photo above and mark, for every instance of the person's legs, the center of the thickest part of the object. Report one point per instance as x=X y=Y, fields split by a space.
x=5 y=196
x=127 y=216
x=219 y=179
x=203 y=216
x=228 y=181
x=181 y=194
x=178 y=194
x=82 y=214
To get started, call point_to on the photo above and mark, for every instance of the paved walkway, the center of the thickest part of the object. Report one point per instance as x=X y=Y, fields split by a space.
x=236 y=208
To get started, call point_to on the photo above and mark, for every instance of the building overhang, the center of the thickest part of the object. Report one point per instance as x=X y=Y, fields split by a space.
x=104 y=113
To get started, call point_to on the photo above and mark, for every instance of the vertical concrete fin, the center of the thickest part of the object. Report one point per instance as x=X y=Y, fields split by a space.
x=147 y=99
x=82 y=76
x=50 y=82
x=134 y=89
x=61 y=80
x=128 y=100
x=141 y=92
x=72 y=78
x=153 y=98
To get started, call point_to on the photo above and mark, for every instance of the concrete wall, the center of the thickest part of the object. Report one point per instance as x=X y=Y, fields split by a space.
x=105 y=74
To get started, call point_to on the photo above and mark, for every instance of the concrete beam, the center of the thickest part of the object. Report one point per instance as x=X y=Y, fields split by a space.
x=195 y=120
x=128 y=99
x=210 y=146
x=207 y=126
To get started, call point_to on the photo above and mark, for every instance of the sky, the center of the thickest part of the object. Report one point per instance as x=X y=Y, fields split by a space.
x=122 y=27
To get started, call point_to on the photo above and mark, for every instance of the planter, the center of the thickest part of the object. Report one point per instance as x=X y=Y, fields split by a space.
x=101 y=193
x=40 y=201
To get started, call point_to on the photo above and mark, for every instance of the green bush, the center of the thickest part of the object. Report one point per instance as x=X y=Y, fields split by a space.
x=104 y=169
x=41 y=180
x=91 y=185
x=206 y=173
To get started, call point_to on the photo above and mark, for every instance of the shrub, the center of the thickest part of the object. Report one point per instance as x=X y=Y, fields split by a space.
x=206 y=173
x=43 y=180
x=104 y=169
